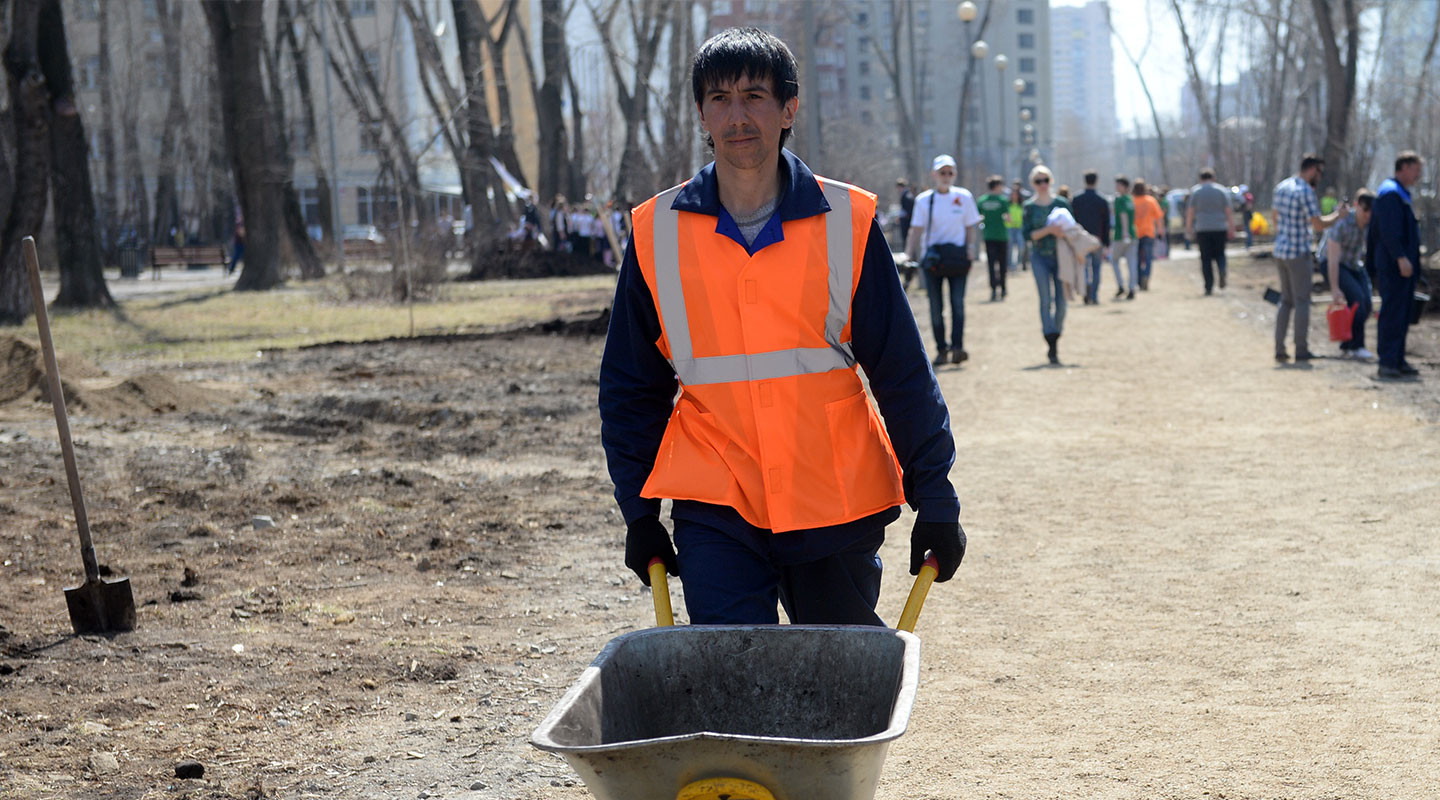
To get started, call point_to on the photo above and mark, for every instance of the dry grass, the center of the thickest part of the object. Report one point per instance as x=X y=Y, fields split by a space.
x=204 y=325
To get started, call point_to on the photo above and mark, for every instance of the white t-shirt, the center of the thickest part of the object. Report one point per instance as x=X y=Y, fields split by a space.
x=954 y=211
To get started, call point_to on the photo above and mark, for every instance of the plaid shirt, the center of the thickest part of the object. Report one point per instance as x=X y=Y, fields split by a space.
x=1295 y=204
x=1351 y=239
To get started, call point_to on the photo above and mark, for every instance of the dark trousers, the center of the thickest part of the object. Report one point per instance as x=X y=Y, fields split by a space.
x=935 y=289
x=1147 y=258
x=997 y=254
x=1212 y=255
x=1396 y=294
x=735 y=577
x=1356 y=287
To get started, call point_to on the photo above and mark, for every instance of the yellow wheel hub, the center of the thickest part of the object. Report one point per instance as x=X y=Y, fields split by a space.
x=724 y=789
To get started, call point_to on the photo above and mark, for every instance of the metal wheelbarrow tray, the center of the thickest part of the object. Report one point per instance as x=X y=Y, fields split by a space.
x=805 y=711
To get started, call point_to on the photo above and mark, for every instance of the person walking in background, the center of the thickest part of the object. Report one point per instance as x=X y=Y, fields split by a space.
x=1210 y=221
x=1392 y=247
x=944 y=234
x=1247 y=212
x=1297 y=217
x=1044 y=261
x=1329 y=200
x=1093 y=214
x=907 y=208
x=1125 y=245
x=1341 y=250
x=1019 y=248
x=993 y=208
x=1147 y=227
x=237 y=248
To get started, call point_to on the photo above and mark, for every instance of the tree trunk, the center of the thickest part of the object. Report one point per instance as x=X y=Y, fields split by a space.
x=488 y=207
x=1339 y=85
x=1197 y=87
x=1149 y=98
x=965 y=84
x=505 y=135
x=636 y=176
x=302 y=247
x=301 y=56
x=109 y=205
x=167 y=204
x=550 y=110
x=30 y=111
x=576 y=178
x=894 y=69
x=237 y=28
x=82 y=279
x=137 y=201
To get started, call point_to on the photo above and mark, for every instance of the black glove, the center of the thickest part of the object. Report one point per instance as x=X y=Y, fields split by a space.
x=944 y=540
x=646 y=539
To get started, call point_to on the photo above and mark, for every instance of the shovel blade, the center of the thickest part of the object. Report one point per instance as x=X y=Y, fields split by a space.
x=100 y=606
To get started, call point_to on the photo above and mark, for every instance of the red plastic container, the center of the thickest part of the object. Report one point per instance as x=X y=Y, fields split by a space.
x=1341 y=318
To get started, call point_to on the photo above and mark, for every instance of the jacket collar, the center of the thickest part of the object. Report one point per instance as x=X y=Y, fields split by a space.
x=800 y=194
x=1392 y=185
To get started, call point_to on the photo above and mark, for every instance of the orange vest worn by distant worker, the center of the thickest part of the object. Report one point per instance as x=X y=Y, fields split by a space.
x=772 y=419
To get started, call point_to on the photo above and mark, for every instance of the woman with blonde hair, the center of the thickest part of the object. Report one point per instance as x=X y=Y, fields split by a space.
x=1044 y=259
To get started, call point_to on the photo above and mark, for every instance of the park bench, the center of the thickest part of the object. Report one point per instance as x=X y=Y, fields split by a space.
x=190 y=257
x=367 y=250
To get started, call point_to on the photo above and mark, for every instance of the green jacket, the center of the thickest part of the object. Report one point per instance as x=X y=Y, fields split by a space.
x=1034 y=219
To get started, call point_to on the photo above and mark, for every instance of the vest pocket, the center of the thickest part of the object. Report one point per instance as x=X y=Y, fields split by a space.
x=864 y=464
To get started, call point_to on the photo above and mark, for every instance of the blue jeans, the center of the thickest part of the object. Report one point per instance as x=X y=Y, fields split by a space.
x=1356 y=287
x=1052 y=294
x=1147 y=257
x=935 y=289
x=735 y=577
x=1093 y=263
x=1018 y=253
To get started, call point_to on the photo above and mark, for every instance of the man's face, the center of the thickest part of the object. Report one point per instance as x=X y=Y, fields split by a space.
x=745 y=119
x=1410 y=173
x=1121 y=188
x=944 y=179
x=1362 y=216
x=1312 y=175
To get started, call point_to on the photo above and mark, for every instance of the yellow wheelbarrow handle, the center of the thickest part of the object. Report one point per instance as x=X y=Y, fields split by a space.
x=724 y=789
x=665 y=616
x=660 y=590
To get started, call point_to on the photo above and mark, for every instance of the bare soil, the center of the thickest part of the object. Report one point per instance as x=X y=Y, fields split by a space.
x=1191 y=573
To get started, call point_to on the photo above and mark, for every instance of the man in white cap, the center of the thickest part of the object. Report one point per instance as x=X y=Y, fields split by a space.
x=944 y=230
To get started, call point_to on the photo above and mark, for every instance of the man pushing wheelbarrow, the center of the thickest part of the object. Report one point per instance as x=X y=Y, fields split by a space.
x=748 y=297
x=756 y=289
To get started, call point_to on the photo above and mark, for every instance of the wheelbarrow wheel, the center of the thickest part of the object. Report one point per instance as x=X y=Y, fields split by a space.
x=724 y=789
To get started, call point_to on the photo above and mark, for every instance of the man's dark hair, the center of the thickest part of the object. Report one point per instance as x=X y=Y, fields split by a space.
x=901 y=182
x=1207 y=174
x=1091 y=176
x=737 y=53
x=1406 y=157
x=1139 y=188
x=1122 y=180
x=1310 y=160
x=994 y=181
x=1365 y=199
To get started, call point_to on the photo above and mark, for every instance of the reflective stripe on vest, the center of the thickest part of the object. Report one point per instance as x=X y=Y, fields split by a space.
x=839 y=255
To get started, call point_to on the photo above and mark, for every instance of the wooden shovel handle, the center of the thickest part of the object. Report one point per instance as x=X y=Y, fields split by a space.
x=62 y=420
x=660 y=590
x=911 y=614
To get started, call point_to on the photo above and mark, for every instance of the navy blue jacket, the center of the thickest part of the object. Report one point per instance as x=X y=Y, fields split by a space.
x=638 y=386
x=1092 y=211
x=1393 y=232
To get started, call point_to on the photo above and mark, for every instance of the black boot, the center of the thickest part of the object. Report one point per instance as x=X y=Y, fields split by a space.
x=1053 y=339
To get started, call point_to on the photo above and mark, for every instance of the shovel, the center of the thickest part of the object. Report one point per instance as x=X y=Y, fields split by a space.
x=96 y=606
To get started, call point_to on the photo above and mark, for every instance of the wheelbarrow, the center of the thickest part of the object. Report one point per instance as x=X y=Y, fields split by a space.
x=742 y=712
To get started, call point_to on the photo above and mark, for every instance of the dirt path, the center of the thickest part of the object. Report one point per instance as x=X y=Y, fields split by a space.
x=1190 y=573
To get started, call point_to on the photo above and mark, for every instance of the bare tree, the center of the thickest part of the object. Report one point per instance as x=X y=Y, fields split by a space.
x=488 y=200
x=894 y=69
x=109 y=205
x=137 y=203
x=300 y=57
x=1422 y=84
x=301 y=246
x=77 y=241
x=1210 y=115
x=648 y=19
x=1339 y=82
x=24 y=183
x=167 y=203
x=1145 y=87
x=549 y=108
x=495 y=45
x=237 y=29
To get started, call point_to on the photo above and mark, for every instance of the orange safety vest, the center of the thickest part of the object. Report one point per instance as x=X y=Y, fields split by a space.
x=772 y=419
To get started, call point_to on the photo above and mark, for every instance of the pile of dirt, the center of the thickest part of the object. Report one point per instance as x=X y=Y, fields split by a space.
x=22 y=371
x=536 y=264
x=86 y=386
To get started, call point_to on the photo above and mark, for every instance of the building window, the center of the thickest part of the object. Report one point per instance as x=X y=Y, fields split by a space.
x=362 y=8
x=372 y=61
x=370 y=137
x=1029 y=89
x=90 y=73
x=864 y=67
x=1027 y=65
x=866 y=117
x=865 y=93
x=1027 y=41
x=362 y=206
x=87 y=9
x=150 y=10
x=310 y=206
x=1025 y=16
x=864 y=42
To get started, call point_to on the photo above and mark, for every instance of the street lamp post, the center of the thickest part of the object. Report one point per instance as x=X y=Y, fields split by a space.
x=967 y=12
x=1001 y=62
x=979 y=51
x=1019 y=86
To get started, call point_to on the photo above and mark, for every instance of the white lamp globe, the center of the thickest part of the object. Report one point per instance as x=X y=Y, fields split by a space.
x=980 y=50
x=967 y=11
